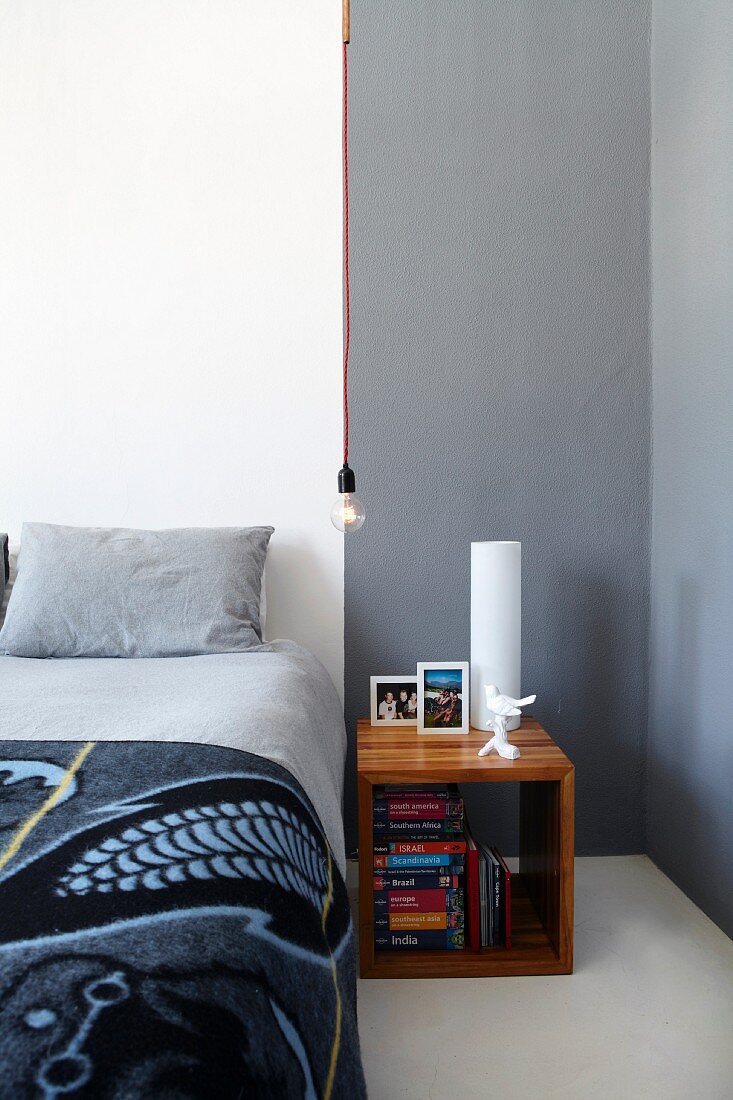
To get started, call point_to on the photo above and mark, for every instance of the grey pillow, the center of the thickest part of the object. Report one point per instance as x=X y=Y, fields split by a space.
x=114 y=592
x=5 y=563
x=12 y=562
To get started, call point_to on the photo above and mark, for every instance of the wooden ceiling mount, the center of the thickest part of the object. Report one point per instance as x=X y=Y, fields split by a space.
x=346 y=21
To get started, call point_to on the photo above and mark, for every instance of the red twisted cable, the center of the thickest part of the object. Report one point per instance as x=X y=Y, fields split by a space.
x=347 y=317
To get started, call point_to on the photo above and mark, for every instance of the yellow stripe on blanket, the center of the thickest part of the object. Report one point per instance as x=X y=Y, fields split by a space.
x=334 y=975
x=28 y=826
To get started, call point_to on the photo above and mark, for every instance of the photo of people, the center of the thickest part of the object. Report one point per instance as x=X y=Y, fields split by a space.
x=394 y=699
x=443 y=697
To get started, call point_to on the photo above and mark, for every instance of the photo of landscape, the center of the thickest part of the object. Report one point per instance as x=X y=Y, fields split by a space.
x=443 y=692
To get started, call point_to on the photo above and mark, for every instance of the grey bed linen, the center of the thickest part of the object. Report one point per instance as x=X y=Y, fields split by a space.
x=276 y=701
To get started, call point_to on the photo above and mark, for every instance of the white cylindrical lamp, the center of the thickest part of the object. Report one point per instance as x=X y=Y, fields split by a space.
x=496 y=625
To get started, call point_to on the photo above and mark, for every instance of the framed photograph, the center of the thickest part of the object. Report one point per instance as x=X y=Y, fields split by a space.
x=442 y=697
x=394 y=699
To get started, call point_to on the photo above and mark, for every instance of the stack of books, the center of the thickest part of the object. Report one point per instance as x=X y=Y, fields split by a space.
x=488 y=896
x=419 y=865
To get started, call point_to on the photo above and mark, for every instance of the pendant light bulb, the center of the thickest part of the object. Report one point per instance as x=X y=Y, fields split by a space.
x=348 y=513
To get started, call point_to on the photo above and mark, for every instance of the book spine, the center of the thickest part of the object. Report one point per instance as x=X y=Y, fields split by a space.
x=385 y=839
x=419 y=901
x=507 y=908
x=418 y=827
x=418 y=921
x=383 y=794
x=417 y=879
x=403 y=810
x=472 y=899
x=429 y=859
x=450 y=940
x=483 y=912
x=497 y=875
x=420 y=847
x=408 y=803
x=506 y=923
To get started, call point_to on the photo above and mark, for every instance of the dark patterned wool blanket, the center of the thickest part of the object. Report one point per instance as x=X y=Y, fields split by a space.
x=172 y=924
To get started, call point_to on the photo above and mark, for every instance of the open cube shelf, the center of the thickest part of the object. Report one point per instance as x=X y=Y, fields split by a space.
x=542 y=892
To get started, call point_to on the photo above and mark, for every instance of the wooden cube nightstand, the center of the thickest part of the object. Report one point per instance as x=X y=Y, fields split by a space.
x=542 y=892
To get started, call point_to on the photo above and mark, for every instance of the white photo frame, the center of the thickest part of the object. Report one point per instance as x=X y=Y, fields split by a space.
x=379 y=687
x=438 y=685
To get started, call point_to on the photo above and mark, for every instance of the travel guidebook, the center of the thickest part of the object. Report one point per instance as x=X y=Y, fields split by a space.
x=417 y=794
x=428 y=859
x=425 y=901
x=418 y=921
x=418 y=829
x=439 y=809
x=418 y=848
x=422 y=878
x=450 y=940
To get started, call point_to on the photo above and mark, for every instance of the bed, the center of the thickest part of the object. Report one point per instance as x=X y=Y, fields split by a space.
x=173 y=915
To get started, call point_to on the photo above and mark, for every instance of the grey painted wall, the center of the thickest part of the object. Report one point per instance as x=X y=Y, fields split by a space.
x=501 y=362
x=690 y=773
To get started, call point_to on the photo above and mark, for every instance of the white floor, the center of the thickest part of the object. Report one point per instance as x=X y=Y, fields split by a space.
x=647 y=1015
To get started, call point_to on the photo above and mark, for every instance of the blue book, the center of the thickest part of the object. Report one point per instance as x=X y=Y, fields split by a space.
x=456 y=863
x=423 y=830
x=449 y=940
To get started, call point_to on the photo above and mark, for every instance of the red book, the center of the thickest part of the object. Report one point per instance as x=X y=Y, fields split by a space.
x=507 y=899
x=410 y=803
x=473 y=900
x=417 y=901
x=420 y=847
x=432 y=811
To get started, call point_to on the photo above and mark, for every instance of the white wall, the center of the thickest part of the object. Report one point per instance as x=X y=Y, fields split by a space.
x=170 y=282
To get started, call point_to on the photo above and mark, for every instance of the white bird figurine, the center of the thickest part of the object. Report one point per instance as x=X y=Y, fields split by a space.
x=501 y=708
